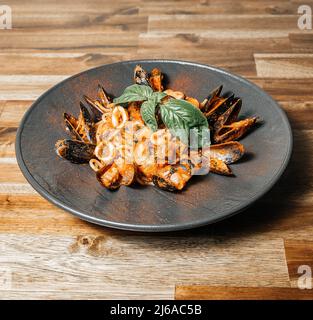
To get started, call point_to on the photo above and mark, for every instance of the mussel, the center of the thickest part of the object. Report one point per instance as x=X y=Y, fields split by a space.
x=141 y=76
x=228 y=152
x=234 y=130
x=74 y=151
x=222 y=115
x=220 y=167
x=70 y=126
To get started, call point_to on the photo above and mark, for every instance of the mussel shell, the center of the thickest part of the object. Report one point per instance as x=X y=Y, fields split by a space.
x=162 y=184
x=229 y=116
x=71 y=130
x=228 y=152
x=215 y=94
x=219 y=108
x=103 y=96
x=75 y=151
x=163 y=180
x=220 y=167
x=71 y=119
x=97 y=109
x=141 y=76
x=234 y=131
x=88 y=124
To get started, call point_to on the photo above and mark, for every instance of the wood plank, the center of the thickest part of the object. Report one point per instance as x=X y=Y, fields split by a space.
x=85 y=295
x=33 y=214
x=301 y=41
x=222 y=50
x=56 y=63
x=85 y=22
x=26 y=87
x=29 y=213
x=286 y=89
x=88 y=263
x=10 y=172
x=16 y=188
x=218 y=7
x=300 y=114
x=7 y=140
x=200 y=292
x=294 y=66
x=122 y=7
x=11 y=113
x=178 y=23
x=69 y=40
x=298 y=253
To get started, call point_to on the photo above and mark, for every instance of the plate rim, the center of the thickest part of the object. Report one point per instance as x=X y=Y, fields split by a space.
x=146 y=227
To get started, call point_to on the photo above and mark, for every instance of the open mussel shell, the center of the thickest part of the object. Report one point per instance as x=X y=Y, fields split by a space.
x=229 y=116
x=104 y=98
x=97 y=108
x=234 y=131
x=228 y=152
x=219 y=108
x=71 y=119
x=88 y=124
x=74 y=151
x=212 y=98
x=71 y=130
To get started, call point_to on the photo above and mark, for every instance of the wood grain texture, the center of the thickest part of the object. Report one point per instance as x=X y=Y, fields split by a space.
x=298 y=253
x=240 y=293
x=104 y=263
x=284 y=65
x=50 y=254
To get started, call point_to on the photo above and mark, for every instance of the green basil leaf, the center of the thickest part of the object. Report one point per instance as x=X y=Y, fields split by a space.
x=133 y=93
x=180 y=116
x=158 y=96
x=147 y=112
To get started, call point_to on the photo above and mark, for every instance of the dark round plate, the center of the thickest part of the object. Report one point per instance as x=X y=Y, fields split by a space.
x=206 y=199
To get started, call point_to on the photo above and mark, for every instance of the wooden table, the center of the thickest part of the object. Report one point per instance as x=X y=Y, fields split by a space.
x=47 y=253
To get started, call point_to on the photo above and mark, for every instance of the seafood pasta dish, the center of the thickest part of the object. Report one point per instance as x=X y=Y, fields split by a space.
x=154 y=135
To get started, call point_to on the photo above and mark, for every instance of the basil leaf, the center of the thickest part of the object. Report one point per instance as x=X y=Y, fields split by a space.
x=158 y=96
x=147 y=112
x=133 y=93
x=180 y=116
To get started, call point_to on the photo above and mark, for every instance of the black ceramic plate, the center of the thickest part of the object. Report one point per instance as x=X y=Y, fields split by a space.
x=205 y=200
